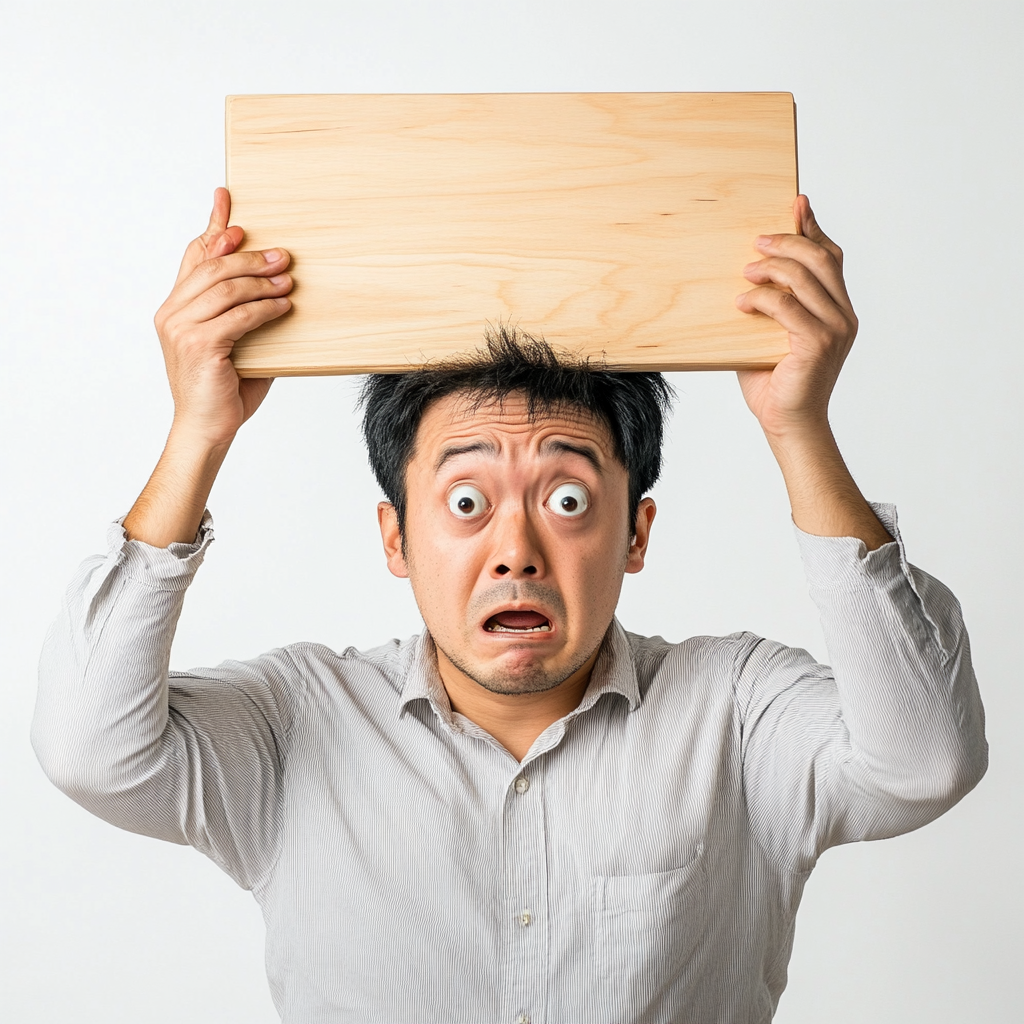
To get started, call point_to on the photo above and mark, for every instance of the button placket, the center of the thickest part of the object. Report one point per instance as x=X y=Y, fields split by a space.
x=524 y=955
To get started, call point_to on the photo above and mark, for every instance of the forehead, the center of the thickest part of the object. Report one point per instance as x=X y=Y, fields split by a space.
x=463 y=418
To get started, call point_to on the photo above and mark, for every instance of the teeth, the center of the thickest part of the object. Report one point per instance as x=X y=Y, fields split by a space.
x=496 y=627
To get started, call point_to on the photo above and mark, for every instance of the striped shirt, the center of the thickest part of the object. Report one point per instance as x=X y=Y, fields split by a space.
x=645 y=860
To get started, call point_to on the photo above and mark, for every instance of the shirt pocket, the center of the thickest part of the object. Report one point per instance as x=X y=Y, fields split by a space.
x=647 y=930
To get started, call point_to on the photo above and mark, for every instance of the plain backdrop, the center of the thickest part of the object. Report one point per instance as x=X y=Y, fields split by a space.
x=111 y=142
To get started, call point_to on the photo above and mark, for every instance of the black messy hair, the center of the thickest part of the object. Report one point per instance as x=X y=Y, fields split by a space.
x=633 y=405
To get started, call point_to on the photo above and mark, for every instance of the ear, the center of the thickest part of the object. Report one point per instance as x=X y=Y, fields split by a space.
x=638 y=545
x=390 y=534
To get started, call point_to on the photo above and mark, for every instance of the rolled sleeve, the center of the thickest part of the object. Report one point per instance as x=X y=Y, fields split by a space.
x=172 y=568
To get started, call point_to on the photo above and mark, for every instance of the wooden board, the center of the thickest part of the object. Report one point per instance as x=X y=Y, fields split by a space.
x=613 y=224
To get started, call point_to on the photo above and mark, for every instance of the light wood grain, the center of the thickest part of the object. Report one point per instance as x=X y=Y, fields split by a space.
x=616 y=225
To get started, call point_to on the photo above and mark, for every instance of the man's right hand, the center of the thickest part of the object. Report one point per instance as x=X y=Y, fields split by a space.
x=220 y=295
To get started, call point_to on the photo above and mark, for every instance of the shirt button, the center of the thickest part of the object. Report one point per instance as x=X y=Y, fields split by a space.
x=525 y=919
x=522 y=1019
x=522 y=784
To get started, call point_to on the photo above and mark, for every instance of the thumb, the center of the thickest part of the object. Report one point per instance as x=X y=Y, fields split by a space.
x=808 y=226
x=217 y=240
x=803 y=215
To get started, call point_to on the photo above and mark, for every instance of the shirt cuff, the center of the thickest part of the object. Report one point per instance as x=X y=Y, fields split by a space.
x=846 y=563
x=169 y=568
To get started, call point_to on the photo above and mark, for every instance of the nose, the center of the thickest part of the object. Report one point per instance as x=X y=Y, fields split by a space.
x=517 y=548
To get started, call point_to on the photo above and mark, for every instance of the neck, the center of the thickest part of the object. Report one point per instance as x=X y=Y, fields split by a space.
x=515 y=720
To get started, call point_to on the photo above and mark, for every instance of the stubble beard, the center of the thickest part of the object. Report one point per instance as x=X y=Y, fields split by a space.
x=534 y=678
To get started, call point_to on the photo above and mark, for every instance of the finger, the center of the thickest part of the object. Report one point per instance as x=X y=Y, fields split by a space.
x=209 y=273
x=235 y=291
x=217 y=236
x=786 y=310
x=239 y=320
x=816 y=258
x=224 y=243
x=252 y=391
x=219 y=214
x=789 y=274
x=808 y=226
x=201 y=249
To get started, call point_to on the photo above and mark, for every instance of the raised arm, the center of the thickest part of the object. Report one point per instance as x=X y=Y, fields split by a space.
x=191 y=758
x=800 y=284
x=892 y=733
x=219 y=295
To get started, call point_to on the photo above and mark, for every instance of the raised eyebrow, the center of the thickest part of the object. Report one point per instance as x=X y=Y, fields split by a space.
x=567 y=447
x=482 y=447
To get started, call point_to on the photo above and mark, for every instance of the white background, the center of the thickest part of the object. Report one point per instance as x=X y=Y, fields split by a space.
x=111 y=134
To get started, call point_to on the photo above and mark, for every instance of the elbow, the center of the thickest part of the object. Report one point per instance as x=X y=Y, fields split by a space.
x=958 y=765
x=943 y=780
x=966 y=771
x=71 y=768
x=71 y=742
x=48 y=752
x=81 y=766
x=918 y=787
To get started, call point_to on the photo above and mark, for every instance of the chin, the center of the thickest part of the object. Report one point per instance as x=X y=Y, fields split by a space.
x=534 y=680
x=518 y=671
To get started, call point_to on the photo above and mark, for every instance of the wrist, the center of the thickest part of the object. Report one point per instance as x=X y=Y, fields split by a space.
x=801 y=442
x=199 y=441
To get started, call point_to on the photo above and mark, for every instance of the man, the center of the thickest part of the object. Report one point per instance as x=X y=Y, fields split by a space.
x=526 y=813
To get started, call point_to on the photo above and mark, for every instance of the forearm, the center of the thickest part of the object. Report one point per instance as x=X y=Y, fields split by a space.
x=170 y=507
x=824 y=497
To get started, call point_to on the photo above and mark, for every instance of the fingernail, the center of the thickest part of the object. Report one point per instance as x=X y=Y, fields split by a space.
x=763 y=241
x=272 y=255
x=278 y=279
x=750 y=266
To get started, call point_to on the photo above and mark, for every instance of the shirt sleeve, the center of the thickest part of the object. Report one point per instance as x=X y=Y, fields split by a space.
x=192 y=758
x=883 y=741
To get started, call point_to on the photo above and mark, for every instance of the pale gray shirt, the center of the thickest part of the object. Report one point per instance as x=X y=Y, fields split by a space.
x=645 y=860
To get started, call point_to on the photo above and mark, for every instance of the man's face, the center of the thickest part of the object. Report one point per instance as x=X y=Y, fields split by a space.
x=516 y=539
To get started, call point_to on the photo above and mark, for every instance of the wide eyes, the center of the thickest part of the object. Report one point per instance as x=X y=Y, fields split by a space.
x=568 y=500
x=467 y=502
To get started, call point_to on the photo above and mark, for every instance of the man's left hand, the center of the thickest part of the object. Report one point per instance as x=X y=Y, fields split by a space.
x=800 y=285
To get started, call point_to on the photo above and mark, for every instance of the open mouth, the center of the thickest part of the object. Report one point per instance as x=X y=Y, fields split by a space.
x=518 y=622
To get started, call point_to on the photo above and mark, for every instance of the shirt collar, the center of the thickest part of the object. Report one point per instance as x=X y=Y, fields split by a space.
x=614 y=672
x=423 y=681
